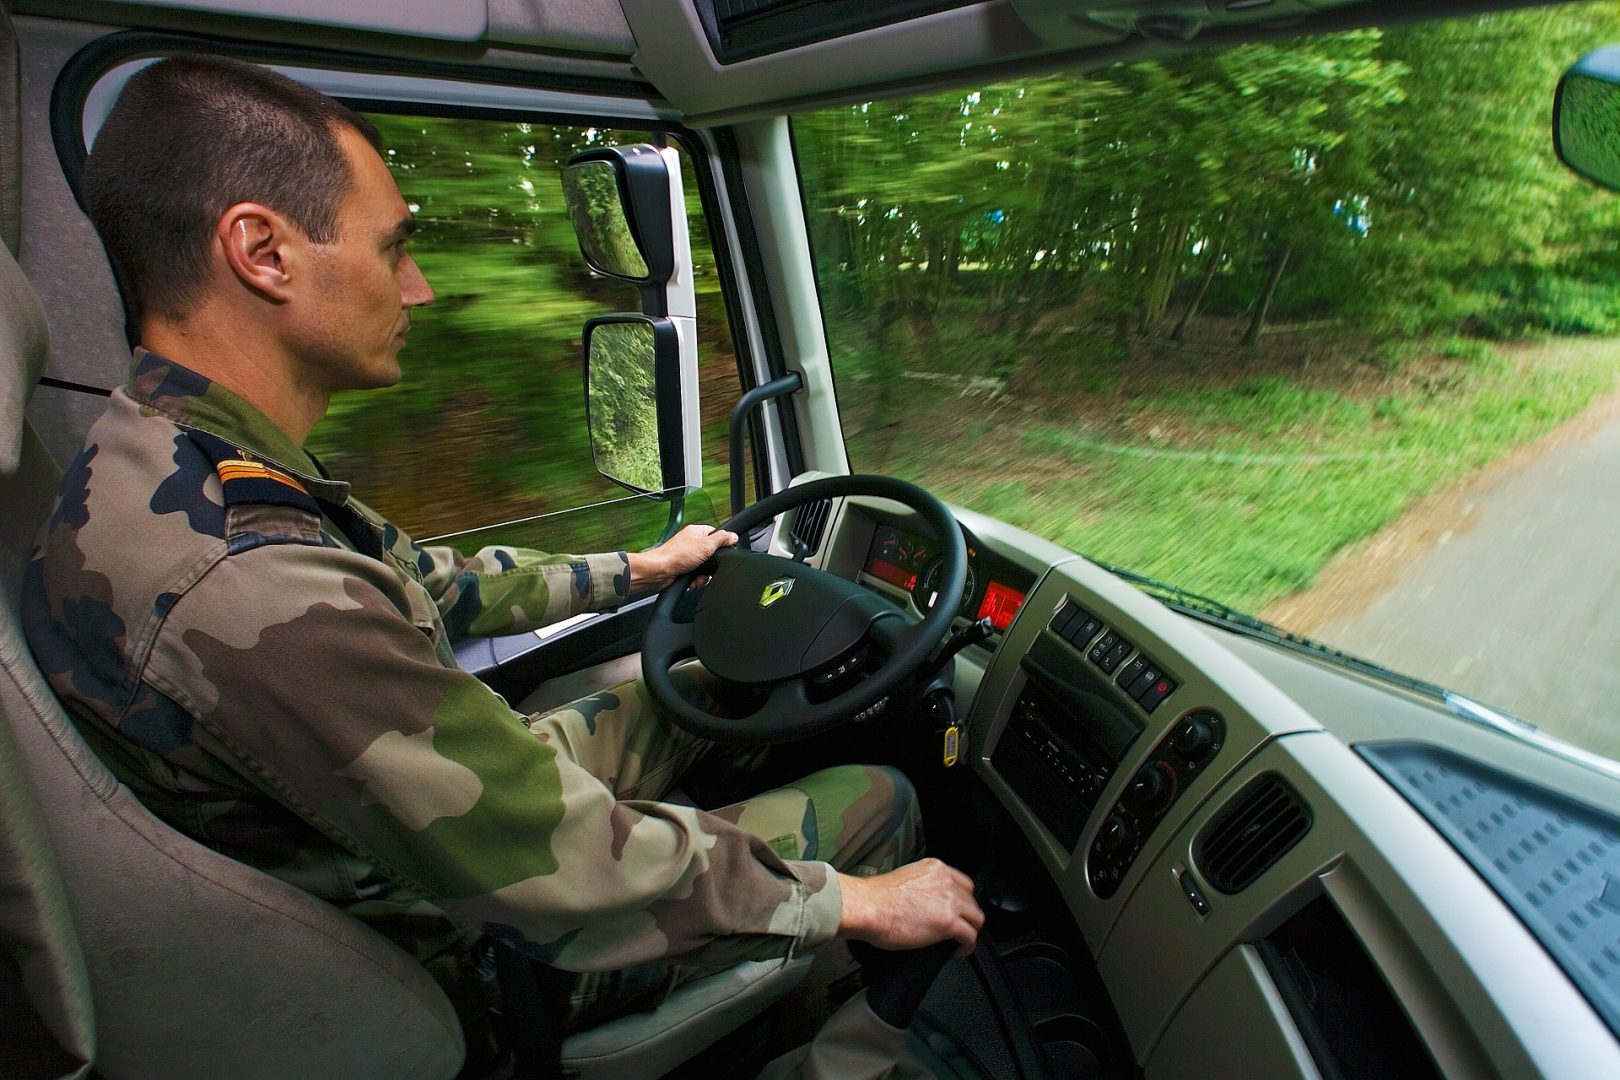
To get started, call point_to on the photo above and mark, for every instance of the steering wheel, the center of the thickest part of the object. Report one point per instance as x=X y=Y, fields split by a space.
x=792 y=634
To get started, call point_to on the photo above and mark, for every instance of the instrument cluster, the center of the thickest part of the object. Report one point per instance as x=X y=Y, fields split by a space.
x=913 y=564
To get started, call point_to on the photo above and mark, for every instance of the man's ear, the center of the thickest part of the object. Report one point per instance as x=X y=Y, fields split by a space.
x=258 y=248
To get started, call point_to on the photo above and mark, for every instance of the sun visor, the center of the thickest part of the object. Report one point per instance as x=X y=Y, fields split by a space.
x=455 y=20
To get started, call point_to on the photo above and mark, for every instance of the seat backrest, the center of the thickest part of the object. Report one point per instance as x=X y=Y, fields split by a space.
x=124 y=945
x=48 y=1021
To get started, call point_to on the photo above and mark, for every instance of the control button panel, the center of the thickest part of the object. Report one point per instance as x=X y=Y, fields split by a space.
x=1109 y=651
x=1143 y=681
x=1076 y=626
x=1186 y=749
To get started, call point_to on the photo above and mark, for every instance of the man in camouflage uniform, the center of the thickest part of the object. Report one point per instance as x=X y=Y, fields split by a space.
x=266 y=661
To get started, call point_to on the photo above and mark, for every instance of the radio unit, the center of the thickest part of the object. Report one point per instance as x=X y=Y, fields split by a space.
x=1062 y=742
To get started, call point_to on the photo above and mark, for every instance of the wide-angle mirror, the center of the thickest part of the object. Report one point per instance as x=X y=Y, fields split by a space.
x=619 y=201
x=637 y=401
x=591 y=189
x=1586 y=117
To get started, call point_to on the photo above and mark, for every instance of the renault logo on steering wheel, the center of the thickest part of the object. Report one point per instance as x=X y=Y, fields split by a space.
x=775 y=591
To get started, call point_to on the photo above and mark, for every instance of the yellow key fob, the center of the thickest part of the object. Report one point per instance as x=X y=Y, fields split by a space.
x=953 y=740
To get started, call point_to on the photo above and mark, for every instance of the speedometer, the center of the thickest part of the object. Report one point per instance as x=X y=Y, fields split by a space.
x=927 y=591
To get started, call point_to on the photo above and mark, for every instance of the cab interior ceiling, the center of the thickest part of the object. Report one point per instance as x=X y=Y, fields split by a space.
x=949 y=44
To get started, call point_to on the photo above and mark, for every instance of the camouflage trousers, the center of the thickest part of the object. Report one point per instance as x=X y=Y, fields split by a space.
x=861 y=819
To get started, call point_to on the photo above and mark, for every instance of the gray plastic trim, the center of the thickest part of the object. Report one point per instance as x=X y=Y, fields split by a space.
x=453 y=20
x=585 y=25
x=405 y=89
x=1480 y=991
x=771 y=184
x=1238 y=996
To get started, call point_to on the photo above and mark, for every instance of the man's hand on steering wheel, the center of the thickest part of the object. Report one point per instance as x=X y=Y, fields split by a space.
x=654 y=569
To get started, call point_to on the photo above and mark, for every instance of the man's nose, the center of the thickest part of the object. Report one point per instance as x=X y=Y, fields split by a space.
x=415 y=290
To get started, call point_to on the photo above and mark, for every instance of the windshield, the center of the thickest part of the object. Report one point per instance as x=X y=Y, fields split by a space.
x=1318 y=329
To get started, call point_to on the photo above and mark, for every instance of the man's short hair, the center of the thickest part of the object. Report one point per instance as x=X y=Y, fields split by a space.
x=191 y=137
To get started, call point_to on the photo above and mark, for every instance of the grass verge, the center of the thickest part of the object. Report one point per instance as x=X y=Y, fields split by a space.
x=1265 y=479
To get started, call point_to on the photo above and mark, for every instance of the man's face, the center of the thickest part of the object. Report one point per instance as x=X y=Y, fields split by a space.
x=363 y=284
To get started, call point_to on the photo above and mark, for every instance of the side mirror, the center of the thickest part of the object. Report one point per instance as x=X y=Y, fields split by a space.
x=1586 y=117
x=641 y=404
x=628 y=208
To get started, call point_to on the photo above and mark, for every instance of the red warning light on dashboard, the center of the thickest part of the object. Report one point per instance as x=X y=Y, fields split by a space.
x=1000 y=604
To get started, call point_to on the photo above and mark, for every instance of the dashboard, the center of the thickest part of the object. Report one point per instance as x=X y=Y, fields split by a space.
x=1246 y=836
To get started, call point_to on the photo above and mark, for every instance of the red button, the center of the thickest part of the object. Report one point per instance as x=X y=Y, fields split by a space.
x=1156 y=693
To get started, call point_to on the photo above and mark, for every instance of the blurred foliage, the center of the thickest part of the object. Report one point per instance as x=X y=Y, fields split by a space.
x=1386 y=180
x=488 y=424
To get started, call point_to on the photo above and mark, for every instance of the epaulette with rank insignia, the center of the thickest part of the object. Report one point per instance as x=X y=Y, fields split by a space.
x=243 y=481
x=264 y=504
x=248 y=481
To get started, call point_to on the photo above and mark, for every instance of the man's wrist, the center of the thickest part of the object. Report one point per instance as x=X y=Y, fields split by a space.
x=647 y=571
x=859 y=917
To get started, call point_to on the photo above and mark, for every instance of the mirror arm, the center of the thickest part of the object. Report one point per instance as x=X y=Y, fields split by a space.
x=790 y=383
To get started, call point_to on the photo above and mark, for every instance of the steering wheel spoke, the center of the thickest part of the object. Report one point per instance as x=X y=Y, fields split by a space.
x=789 y=695
x=668 y=642
x=890 y=633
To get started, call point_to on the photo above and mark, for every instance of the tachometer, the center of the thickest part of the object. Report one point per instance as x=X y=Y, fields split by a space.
x=927 y=591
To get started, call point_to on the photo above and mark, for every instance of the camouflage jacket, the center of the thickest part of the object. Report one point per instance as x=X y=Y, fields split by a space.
x=266 y=662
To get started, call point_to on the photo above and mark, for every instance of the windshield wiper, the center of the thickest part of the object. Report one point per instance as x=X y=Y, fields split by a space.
x=1485 y=714
x=1217 y=613
x=1520 y=728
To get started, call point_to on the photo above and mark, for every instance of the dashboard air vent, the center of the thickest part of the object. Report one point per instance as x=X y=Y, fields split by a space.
x=809 y=524
x=1251 y=834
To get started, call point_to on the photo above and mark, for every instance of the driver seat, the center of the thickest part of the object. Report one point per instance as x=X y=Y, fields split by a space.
x=130 y=948
x=127 y=949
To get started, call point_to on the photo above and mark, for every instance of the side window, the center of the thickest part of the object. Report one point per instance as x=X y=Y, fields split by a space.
x=484 y=439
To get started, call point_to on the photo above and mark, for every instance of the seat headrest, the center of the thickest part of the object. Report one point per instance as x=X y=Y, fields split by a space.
x=25 y=345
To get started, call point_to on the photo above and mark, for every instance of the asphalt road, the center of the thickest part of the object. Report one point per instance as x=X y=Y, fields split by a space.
x=1516 y=604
